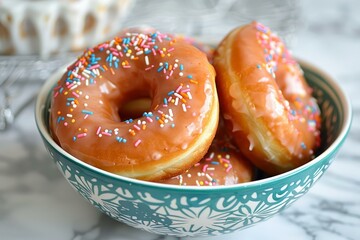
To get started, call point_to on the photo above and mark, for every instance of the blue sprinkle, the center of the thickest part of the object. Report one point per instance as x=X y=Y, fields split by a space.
x=171 y=93
x=181 y=67
x=189 y=76
x=165 y=101
x=74 y=138
x=303 y=146
x=87 y=112
x=160 y=68
x=215 y=163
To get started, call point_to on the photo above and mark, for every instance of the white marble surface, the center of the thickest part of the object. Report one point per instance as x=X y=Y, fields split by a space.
x=37 y=203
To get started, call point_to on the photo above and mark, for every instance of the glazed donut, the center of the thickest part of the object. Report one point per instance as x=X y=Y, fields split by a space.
x=223 y=164
x=265 y=99
x=172 y=136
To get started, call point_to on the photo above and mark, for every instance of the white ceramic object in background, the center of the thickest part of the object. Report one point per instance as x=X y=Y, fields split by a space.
x=44 y=27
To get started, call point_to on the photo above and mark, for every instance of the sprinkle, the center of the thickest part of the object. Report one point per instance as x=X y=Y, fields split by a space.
x=87 y=112
x=184 y=107
x=98 y=131
x=81 y=135
x=136 y=144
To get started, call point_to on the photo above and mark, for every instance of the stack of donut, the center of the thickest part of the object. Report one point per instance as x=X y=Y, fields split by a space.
x=145 y=105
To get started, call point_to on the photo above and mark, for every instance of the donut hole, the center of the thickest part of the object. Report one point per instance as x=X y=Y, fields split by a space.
x=134 y=108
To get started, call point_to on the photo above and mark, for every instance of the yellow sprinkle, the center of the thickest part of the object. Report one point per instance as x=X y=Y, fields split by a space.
x=193 y=81
x=72 y=120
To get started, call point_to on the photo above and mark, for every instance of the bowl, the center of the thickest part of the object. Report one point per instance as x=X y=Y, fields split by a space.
x=202 y=211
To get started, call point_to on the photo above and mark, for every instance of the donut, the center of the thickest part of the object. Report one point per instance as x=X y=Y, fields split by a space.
x=222 y=165
x=164 y=141
x=265 y=100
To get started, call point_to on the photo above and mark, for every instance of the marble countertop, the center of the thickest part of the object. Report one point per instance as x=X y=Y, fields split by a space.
x=36 y=202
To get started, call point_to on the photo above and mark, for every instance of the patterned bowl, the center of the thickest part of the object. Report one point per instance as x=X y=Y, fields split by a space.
x=202 y=211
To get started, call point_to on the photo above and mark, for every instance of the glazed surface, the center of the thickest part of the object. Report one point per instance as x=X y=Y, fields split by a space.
x=175 y=132
x=265 y=99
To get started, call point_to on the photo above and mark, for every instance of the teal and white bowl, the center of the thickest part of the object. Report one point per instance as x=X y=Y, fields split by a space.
x=202 y=211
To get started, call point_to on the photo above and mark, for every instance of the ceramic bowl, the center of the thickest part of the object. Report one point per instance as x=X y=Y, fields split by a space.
x=202 y=211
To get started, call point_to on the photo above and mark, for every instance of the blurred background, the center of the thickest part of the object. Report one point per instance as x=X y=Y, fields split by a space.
x=38 y=37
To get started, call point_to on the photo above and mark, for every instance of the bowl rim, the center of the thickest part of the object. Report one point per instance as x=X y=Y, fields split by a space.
x=345 y=128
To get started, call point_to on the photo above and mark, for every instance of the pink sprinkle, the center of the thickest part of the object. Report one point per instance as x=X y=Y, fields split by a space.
x=171 y=73
x=106 y=133
x=94 y=66
x=185 y=90
x=115 y=53
x=86 y=116
x=81 y=135
x=65 y=124
x=98 y=130
x=229 y=168
x=55 y=94
x=153 y=51
x=126 y=66
x=178 y=89
x=70 y=85
x=137 y=127
x=102 y=45
x=137 y=143
x=205 y=167
x=171 y=49
x=75 y=94
x=225 y=160
x=149 y=119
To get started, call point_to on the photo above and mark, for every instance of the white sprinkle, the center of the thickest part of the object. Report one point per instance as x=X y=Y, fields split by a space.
x=146 y=60
x=184 y=107
x=189 y=95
